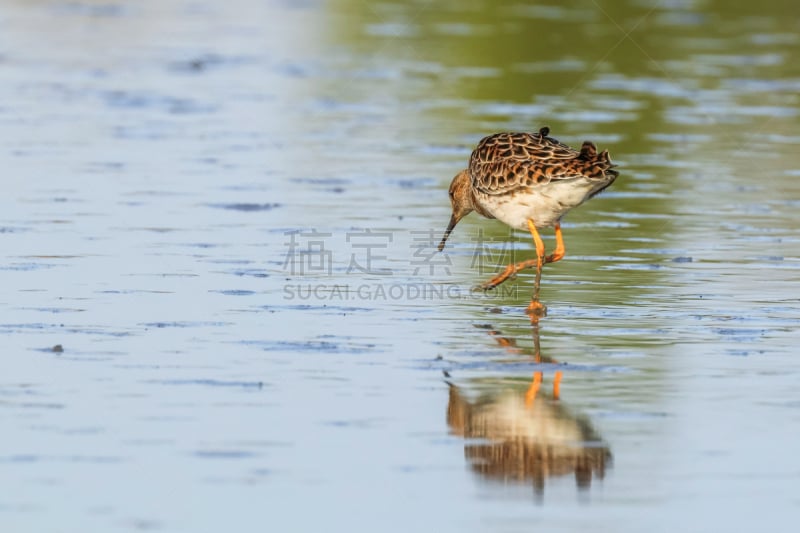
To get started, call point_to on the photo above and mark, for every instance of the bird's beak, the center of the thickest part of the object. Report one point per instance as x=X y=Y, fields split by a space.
x=450 y=226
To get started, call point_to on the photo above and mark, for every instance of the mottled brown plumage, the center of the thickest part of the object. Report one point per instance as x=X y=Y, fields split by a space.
x=528 y=180
x=506 y=162
x=516 y=177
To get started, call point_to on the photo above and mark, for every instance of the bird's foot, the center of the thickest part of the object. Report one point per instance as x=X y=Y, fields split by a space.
x=536 y=310
x=552 y=258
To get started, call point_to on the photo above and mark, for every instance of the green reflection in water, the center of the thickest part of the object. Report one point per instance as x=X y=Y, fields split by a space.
x=666 y=88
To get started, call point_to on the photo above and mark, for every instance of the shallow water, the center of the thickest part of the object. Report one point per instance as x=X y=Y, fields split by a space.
x=225 y=215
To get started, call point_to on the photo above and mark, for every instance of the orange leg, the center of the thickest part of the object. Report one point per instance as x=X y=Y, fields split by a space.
x=530 y=394
x=536 y=309
x=538 y=242
x=513 y=268
x=510 y=271
x=557 y=385
x=559 y=252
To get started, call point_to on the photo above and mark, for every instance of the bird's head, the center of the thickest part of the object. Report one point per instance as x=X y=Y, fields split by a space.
x=461 y=200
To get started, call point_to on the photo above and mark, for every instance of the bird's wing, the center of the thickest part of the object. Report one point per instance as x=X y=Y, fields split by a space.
x=505 y=162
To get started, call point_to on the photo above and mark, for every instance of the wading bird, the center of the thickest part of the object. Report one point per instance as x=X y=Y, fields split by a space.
x=528 y=181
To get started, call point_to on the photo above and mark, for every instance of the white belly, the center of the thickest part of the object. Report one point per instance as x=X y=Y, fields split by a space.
x=544 y=204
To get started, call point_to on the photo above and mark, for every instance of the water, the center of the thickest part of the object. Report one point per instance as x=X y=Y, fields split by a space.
x=223 y=216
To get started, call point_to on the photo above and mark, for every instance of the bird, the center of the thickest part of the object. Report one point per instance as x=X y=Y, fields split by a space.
x=528 y=181
x=512 y=437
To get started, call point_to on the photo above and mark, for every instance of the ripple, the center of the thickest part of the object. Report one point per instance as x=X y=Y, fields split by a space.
x=206 y=62
x=224 y=454
x=234 y=292
x=186 y=324
x=211 y=383
x=146 y=100
x=314 y=346
x=246 y=207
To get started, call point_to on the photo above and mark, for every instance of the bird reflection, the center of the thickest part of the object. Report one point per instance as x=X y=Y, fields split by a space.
x=526 y=433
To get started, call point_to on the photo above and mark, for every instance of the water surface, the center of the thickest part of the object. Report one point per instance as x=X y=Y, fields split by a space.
x=225 y=216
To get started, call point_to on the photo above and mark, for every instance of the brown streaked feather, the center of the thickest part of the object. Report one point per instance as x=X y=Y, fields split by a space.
x=505 y=162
